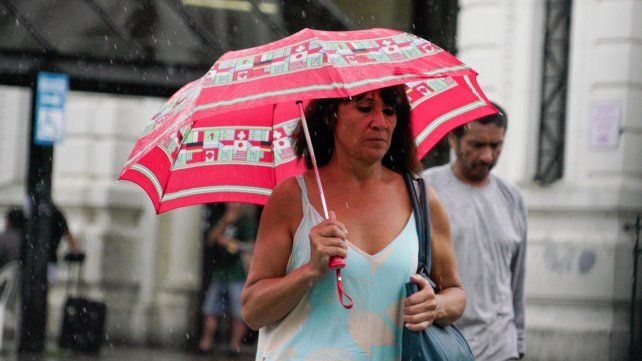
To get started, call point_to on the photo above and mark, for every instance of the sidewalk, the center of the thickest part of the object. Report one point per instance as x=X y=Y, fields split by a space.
x=127 y=353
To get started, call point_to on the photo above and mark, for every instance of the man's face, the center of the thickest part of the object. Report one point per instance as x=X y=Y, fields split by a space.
x=478 y=150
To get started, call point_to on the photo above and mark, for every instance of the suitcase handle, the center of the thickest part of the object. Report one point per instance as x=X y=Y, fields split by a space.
x=75 y=262
x=75 y=257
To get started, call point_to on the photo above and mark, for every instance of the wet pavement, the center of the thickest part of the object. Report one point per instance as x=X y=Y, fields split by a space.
x=128 y=353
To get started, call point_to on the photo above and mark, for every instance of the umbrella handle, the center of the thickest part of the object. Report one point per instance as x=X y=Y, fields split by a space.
x=336 y=262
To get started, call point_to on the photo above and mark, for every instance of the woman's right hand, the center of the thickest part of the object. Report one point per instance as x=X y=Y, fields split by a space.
x=327 y=239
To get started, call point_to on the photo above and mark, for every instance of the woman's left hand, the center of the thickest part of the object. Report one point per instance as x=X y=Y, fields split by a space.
x=420 y=309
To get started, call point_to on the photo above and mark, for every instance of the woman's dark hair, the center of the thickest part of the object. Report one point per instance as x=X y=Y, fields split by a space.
x=321 y=116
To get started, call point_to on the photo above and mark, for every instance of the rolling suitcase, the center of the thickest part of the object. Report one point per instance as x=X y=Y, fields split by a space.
x=83 y=321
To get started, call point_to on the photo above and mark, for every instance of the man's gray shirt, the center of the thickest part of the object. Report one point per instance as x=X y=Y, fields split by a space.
x=488 y=227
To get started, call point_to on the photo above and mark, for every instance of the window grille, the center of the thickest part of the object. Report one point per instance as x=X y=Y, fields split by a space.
x=550 y=161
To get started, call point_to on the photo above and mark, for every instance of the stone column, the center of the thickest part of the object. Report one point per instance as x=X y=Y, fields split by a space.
x=178 y=275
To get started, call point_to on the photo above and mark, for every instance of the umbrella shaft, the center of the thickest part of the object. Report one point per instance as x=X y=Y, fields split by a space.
x=308 y=140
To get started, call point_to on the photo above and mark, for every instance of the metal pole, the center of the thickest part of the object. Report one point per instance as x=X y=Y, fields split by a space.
x=35 y=246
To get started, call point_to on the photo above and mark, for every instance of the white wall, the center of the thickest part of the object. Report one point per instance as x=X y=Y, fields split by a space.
x=579 y=257
x=15 y=106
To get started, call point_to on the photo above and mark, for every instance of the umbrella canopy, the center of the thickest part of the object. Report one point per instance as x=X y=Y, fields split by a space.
x=228 y=135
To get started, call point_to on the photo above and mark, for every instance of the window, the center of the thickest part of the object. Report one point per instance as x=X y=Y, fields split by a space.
x=550 y=162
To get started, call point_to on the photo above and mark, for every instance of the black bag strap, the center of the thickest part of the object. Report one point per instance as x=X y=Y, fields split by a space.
x=422 y=220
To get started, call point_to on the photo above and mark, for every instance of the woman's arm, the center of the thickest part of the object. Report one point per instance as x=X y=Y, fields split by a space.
x=451 y=298
x=270 y=294
x=444 y=304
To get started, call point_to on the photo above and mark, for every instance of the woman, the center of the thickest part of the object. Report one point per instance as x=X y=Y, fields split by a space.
x=363 y=146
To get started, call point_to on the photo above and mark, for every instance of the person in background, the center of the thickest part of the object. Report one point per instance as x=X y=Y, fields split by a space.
x=11 y=238
x=59 y=230
x=232 y=239
x=488 y=223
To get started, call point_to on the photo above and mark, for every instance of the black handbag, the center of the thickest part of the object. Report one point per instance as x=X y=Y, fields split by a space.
x=435 y=343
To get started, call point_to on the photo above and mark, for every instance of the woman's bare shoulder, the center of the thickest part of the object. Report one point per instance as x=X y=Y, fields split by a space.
x=286 y=188
x=285 y=200
x=286 y=192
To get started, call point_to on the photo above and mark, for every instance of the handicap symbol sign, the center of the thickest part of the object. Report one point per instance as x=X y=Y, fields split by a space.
x=51 y=93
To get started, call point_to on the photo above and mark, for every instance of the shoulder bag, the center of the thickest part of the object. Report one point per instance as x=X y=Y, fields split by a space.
x=435 y=343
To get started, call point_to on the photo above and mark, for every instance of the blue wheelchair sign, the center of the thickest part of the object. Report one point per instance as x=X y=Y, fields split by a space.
x=51 y=93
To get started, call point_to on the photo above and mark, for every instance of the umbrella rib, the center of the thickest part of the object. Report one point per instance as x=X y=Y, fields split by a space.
x=444 y=118
x=332 y=66
x=171 y=165
x=152 y=178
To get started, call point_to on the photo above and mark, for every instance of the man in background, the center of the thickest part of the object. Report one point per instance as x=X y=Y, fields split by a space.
x=488 y=223
x=11 y=238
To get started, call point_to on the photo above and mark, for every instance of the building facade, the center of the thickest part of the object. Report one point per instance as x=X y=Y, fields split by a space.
x=580 y=257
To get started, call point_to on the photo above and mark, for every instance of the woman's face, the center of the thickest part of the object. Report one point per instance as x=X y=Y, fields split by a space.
x=364 y=127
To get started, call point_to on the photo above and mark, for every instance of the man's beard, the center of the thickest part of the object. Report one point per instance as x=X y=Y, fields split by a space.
x=478 y=171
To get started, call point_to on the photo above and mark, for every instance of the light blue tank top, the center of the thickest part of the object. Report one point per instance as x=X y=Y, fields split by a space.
x=319 y=328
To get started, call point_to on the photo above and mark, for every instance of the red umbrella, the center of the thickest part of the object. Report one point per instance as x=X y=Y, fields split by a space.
x=227 y=136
